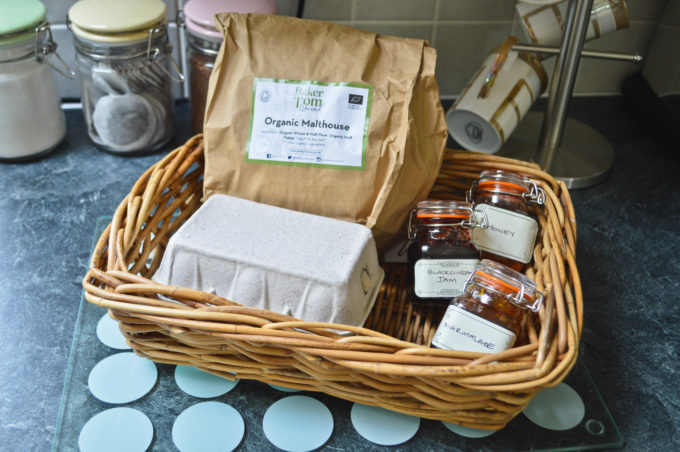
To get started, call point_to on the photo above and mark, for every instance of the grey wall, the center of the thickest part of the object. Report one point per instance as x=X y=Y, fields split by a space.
x=662 y=68
x=462 y=31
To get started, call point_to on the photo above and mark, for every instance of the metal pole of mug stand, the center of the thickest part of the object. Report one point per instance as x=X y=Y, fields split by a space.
x=568 y=149
x=561 y=88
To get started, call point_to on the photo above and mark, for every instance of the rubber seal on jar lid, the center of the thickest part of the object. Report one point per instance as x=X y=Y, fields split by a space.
x=116 y=16
x=501 y=180
x=502 y=185
x=17 y=16
x=444 y=209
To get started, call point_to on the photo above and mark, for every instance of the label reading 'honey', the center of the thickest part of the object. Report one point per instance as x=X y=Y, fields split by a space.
x=509 y=234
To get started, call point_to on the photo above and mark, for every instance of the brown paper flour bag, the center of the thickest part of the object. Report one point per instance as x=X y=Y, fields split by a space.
x=323 y=118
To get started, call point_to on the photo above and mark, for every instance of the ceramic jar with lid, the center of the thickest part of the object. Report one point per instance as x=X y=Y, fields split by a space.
x=126 y=73
x=31 y=120
x=204 y=43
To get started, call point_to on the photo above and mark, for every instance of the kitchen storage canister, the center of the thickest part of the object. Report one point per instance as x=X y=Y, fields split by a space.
x=385 y=363
x=507 y=201
x=31 y=120
x=488 y=316
x=441 y=255
x=126 y=73
x=204 y=41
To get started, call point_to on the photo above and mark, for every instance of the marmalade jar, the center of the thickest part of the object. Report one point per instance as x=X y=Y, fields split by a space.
x=488 y=316
x=507 y=200
x=441 y=255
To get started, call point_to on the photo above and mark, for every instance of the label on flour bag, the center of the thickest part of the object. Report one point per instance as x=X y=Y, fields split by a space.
x=309 y=123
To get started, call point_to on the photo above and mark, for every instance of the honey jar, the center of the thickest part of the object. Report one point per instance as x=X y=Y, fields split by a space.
x=441 y=255
x=488 y=316
x=507 y=199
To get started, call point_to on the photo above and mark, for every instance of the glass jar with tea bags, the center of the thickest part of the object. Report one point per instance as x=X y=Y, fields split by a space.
x=126 y=73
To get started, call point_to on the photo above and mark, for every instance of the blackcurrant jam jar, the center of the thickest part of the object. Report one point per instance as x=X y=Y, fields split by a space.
x=507 y=199
x=441 y=255
x=488 y=316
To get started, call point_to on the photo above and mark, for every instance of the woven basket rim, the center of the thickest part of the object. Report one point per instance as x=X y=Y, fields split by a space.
x=141 y=306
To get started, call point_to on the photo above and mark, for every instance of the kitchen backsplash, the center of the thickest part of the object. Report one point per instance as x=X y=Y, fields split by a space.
x=662 y=68
x=462 y=31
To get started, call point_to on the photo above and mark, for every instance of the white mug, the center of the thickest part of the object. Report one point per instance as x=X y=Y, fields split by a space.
x=544 y=23
x=481 y=121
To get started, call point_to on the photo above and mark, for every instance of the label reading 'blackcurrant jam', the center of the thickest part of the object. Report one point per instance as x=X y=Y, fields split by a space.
x=440 y=278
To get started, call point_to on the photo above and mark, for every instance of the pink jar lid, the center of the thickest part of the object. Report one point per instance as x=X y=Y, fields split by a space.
x=200 y=14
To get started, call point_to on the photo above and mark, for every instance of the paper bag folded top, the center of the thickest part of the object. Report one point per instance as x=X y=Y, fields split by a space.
x=324 y=119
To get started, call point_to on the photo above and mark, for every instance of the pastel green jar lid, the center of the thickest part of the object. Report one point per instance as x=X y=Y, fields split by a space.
x=114 y=21
x=20 y=15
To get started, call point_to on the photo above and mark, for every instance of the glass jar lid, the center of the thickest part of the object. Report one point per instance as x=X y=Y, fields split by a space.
x=509 y=183
x=519 y=288
x=115 y=21
x=444 y=209
x=200 y=14
x=18 y=19
x=437 y=214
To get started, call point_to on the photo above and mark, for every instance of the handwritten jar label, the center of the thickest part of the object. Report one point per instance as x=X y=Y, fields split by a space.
x=309 y=123
x=509 y=234
x=438 y=278
x=461 y=330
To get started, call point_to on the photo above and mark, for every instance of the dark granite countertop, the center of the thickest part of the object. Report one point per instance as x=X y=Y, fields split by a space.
x=628 y=248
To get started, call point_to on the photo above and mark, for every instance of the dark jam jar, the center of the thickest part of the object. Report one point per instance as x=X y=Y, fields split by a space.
x=441 y=255
x=488 y=316
x=507 y=200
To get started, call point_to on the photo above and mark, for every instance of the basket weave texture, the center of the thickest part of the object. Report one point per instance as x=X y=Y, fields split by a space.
x=387 y=362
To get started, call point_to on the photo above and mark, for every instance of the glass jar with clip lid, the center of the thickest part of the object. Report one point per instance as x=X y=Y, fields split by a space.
x=126 y=72
x=489 y=315
x=31 y=120
x=507 y=199
x=198 y=16
x=441 y=254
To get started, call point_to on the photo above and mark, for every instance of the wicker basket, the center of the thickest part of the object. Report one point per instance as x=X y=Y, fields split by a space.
x=387 y=363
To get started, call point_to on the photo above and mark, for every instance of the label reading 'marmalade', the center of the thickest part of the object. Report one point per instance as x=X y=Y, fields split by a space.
x=467 y=332
x=309 y=123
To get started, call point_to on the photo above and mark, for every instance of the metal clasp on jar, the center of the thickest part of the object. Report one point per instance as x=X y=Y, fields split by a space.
x=152 y=53
x=44 y=49
x=536 y=195
x=521 y=301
